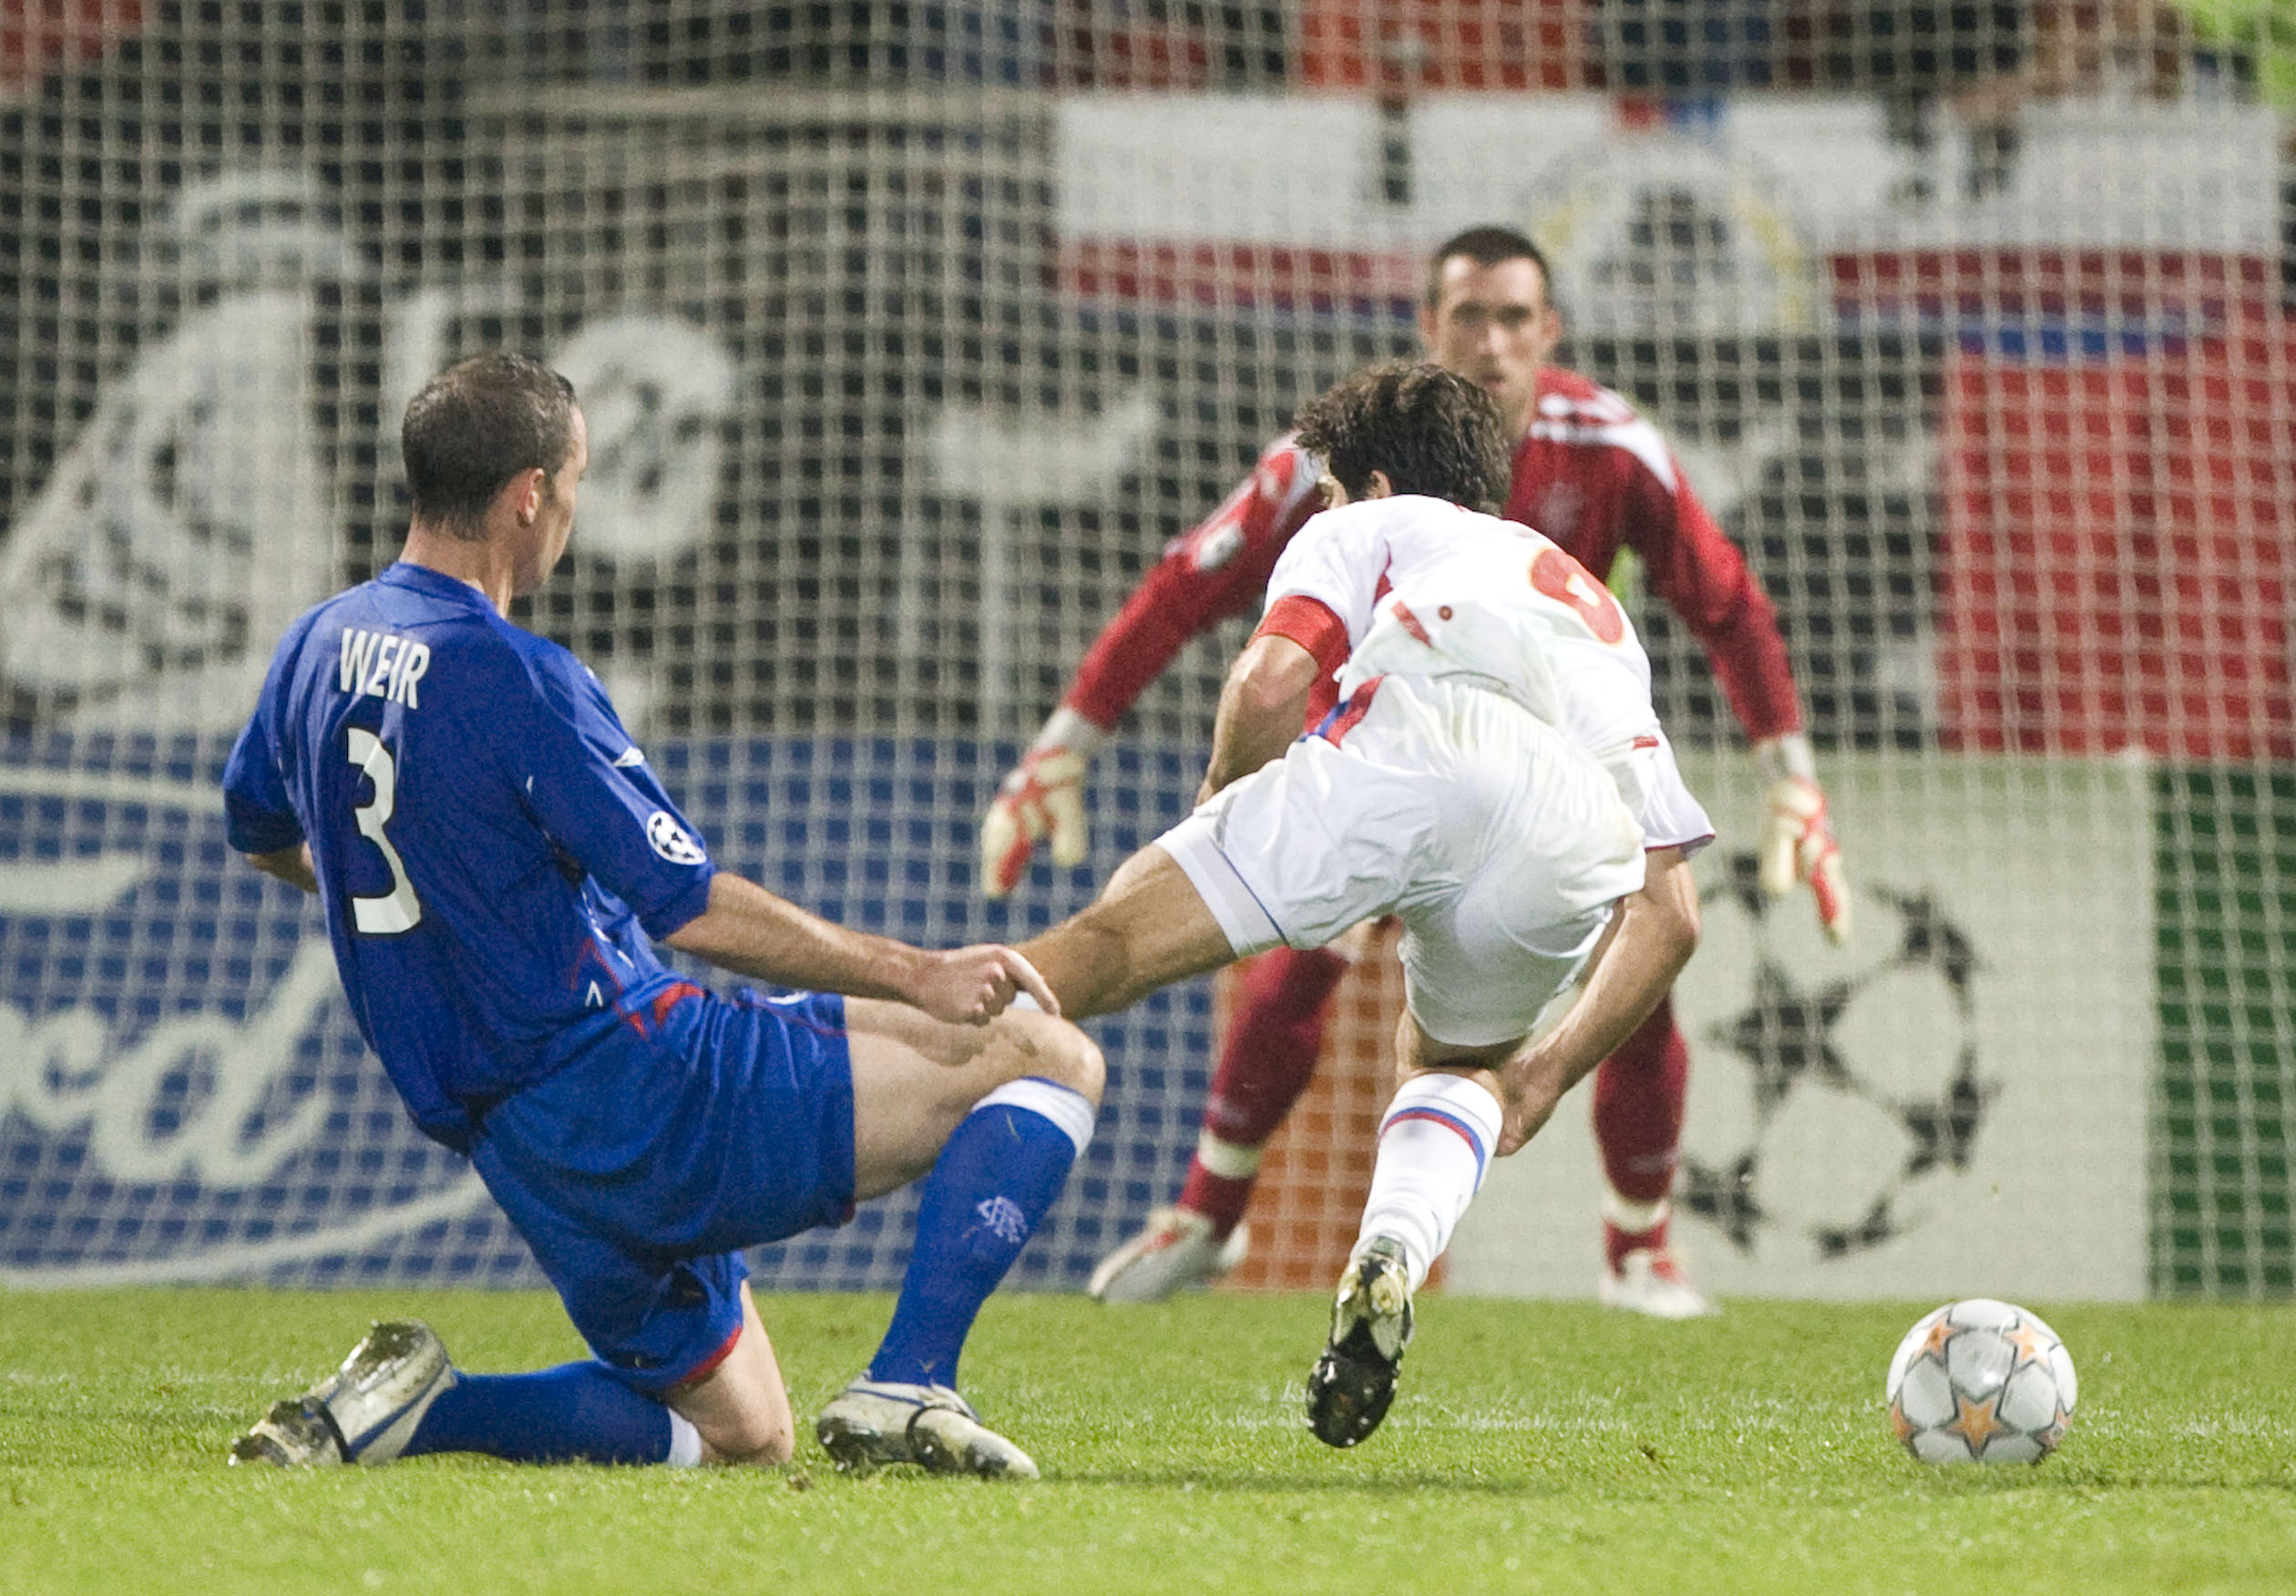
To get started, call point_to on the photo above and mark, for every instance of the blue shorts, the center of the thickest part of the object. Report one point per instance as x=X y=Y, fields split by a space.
x=638 y=1172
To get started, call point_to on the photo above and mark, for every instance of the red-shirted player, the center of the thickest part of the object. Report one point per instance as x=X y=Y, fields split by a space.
x=1596 y=477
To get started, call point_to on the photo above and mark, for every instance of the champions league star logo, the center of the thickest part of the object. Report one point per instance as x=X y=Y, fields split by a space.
x=1665 y=228
x=1827 y=1144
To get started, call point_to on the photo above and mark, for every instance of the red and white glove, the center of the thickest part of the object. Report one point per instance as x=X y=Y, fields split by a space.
x=1044 y=797
x=1798 y=844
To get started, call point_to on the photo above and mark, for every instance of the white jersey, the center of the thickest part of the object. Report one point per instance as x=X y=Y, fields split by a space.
x=1426 y=589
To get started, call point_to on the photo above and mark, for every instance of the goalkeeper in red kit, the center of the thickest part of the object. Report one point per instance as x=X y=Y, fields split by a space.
x=1596 y=477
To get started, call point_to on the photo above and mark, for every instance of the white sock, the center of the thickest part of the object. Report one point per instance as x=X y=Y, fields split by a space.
x=1231 y=1160
x=1434 y=1145
x=685 y=1442
x=1632 y=1217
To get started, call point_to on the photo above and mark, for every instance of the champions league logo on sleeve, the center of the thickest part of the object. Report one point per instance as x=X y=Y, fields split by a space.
x=183 y=1095
x=673 y=840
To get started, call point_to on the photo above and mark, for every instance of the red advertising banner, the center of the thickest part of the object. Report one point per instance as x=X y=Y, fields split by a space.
x=2117 y=569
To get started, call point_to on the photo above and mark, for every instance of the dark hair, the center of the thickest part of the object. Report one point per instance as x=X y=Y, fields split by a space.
x=1431 y=430
x=475 y=427
x=1485 y=246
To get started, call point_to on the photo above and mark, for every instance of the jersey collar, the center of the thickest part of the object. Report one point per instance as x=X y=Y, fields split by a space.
x=436 y=583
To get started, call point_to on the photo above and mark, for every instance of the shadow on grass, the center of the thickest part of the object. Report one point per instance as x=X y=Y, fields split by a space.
x=1265 y=1482
x=2059 y=1480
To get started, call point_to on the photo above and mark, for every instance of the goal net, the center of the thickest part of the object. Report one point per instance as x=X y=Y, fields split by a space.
x=910 y=335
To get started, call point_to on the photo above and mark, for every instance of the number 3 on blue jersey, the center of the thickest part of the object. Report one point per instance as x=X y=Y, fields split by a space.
x=398 y=909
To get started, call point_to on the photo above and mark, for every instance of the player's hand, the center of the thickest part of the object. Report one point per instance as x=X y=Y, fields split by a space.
x=1044 y=796
x=1529 y=1090
x=972 y=986
x=1797 y=844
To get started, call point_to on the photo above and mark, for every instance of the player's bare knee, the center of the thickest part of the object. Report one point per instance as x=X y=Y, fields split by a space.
x=1053 y=1050
x=765 y=1445
x=1081 y=1068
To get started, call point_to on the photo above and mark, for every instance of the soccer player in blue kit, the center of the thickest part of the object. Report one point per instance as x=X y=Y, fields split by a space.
x=494 y=859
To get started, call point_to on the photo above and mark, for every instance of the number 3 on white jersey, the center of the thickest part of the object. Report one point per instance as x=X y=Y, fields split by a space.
x=398 y=909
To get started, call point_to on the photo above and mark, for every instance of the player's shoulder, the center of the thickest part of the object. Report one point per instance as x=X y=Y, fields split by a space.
x=552 y=669
x=1563 y=394
x=1369 y=520
x=1575 y=410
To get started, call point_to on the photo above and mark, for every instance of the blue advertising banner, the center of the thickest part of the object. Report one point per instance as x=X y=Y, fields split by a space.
x=183 y=1095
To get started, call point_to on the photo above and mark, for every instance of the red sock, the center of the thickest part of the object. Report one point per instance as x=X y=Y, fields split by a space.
x=1275 y=1032
x=1638 y=1096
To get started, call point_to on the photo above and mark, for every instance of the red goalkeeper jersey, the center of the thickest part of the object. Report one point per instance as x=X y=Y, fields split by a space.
x=1590 y=473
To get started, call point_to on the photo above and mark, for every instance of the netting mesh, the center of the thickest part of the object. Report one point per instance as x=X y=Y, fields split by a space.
x=908 y=335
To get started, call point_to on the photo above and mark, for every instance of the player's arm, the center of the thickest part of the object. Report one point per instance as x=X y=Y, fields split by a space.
x=259 y=818
x=1261 y=704
x=597 y=798
x=748 y=930
x=1644 y=948
x=1699 y=573
x=1216 y=569
x=292 y=866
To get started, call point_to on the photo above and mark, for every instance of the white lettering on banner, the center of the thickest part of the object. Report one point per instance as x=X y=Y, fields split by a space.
x=63 y=1073
x=58 y=1070
x=69 y=886
x=61 y=1070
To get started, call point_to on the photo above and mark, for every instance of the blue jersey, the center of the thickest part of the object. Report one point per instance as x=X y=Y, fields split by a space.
x=492 y=850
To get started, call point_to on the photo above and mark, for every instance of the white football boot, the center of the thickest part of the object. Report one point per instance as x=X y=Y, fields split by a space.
x=1354 y=1381
x=1648 y=1281
x=366 y=1412
x=1177 y=1249
x=872 y=1422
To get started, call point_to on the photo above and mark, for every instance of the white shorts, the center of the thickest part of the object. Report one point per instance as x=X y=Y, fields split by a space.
x=1501 y=844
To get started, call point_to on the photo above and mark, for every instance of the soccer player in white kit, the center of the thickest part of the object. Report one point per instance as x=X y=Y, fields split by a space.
x=1494 y=775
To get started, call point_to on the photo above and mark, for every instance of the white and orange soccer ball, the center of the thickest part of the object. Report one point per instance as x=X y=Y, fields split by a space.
x=1981 y=1382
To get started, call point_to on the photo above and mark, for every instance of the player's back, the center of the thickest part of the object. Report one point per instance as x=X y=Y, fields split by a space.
x=434 y=757
x=1427 y=588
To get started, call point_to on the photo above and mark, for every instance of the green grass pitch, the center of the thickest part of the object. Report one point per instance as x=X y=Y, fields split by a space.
x=1533 y=1447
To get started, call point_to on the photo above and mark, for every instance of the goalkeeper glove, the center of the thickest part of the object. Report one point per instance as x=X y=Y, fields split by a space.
x=1045 y=796
x=1797 y=844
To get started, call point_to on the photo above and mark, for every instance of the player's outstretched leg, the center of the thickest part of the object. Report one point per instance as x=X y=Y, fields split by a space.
x=1639 y=1093
x=1353 y=1383
x=397 y=1395
x=1274 y=1033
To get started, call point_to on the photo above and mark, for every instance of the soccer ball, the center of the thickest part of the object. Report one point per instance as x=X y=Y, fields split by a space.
x=1981 y=1382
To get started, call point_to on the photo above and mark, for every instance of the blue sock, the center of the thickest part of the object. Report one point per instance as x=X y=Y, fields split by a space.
x=998 y=1172
x=575 y=1413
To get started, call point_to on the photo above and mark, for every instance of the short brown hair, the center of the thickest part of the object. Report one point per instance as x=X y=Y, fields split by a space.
x=1431 y=430
x=475 y=427
x=1486 y=245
